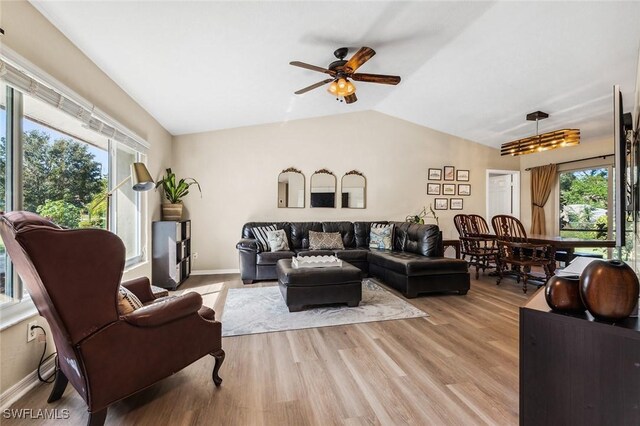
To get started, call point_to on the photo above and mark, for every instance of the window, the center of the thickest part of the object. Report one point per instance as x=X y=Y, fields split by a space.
x=58 y=160
x=585 y=200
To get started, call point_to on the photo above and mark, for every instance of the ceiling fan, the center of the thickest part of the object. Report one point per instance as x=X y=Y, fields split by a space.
x=342 y=70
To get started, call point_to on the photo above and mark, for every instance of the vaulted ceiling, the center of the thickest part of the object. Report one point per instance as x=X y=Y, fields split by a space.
x=471 y=69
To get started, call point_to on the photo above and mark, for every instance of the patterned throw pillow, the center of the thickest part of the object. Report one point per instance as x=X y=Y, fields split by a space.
x=260 y=232
x=278 y=240
x=127 y=301
x=381 y=236
x=325 y=240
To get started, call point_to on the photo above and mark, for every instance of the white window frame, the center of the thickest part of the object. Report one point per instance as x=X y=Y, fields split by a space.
x=21 y=307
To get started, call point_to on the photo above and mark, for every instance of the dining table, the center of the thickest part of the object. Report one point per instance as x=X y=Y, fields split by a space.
x=569 y=244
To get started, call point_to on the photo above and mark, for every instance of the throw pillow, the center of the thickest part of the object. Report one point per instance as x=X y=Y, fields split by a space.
x=127 y=301
x=325 y=240
x=278 y=240
x=381 y=236
x=260 y=232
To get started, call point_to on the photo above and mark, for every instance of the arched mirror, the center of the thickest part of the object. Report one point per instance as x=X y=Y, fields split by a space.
x=323 y=189
x=354 y=190
x=291 y=189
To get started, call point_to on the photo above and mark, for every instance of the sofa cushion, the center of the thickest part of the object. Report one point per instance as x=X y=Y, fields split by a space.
x=352 y=255
x=361 y=231
x=300 y=233
x=278 y=240
x=345 y=229
x=412 y=264
x=271 y=257
x=381 y=236
x=262 y=236
x=127 y=301
x=325 y=240
x=418 y=238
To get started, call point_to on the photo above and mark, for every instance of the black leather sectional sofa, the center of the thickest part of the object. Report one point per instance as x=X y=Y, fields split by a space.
x=415 y=265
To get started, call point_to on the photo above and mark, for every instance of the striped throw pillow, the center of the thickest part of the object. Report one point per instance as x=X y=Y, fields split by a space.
x=262 y=237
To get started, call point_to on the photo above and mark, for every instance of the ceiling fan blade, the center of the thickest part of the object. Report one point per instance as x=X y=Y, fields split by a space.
x=360 y=57
x=377 y=78
x=313 y=86
x=312 y=67
x=350 y=98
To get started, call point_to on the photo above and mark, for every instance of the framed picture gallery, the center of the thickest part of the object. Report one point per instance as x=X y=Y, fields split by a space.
x=448 y=189
x=441 y=204
x=464 y=189
x=449 y=173
x=433 y=189
x=462 y=175
x=456 y=204
x=435 y=174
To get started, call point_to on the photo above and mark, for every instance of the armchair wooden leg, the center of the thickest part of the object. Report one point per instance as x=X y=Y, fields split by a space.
x=219 y=356
x=97 y=418
x=58 y=386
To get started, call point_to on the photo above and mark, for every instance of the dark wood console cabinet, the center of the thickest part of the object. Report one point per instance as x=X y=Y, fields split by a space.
x=575 y=370
x=171 y=264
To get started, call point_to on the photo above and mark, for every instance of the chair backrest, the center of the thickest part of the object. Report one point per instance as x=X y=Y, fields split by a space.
x=508 y=228
x=479 y=225
x=72 y=277
x=462 y=223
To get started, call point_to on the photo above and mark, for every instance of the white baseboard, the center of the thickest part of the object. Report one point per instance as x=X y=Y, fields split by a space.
x=215 y=271
x=21 y=388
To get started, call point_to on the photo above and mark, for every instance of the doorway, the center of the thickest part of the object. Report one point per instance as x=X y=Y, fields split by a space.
x=503 y=193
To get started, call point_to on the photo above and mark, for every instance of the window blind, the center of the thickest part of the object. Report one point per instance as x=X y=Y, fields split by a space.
x=102 y=125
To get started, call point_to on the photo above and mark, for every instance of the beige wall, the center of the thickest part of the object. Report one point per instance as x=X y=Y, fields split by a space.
x=584 y=150
x=30 y=35
x=238 y=170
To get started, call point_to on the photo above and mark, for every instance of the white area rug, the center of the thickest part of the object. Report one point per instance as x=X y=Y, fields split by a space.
x=263 y=310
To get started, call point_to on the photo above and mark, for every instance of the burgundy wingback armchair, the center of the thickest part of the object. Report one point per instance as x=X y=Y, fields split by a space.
x=73 y=278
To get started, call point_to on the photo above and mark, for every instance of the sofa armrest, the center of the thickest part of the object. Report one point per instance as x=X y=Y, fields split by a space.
x=141 y=287
x=247 y=244
x=165 y=311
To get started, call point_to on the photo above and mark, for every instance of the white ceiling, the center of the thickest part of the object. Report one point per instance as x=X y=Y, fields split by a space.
x=471 y=69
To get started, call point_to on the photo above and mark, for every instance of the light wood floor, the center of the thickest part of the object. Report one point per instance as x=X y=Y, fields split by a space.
x=457 y=366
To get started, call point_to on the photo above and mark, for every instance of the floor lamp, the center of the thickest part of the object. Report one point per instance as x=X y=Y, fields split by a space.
x=141 y=181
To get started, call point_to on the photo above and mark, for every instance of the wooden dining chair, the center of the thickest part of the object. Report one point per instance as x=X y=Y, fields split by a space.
x=480 y=248
x=516 y=255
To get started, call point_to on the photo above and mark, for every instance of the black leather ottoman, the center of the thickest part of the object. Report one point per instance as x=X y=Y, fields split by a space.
x=319 y=286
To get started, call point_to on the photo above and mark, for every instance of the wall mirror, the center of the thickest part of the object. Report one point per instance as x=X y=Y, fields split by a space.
x=291 y=189
x=323 y=189
x=354 y=190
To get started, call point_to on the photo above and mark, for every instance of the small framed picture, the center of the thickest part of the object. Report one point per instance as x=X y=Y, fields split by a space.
x=441 y=204
x=449 y=173
x=464 y=189
x=435 y=174
x=456 y=204
x=448 y=189
x=433 y=189
x=462 y=175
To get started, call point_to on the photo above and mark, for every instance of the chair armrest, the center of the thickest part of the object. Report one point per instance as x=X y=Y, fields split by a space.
x=165 y=311
x=141 y=287
x=247 y=244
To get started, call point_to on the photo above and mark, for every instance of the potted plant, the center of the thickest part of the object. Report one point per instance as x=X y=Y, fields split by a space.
x=174 y=192
x=420 y=217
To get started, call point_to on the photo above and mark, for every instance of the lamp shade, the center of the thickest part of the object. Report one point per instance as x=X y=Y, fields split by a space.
x=141 y=178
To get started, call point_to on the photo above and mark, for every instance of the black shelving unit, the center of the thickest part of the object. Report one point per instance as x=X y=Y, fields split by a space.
x=171 y=264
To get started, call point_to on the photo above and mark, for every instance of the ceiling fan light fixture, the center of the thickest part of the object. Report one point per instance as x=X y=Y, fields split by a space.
x=341 y=87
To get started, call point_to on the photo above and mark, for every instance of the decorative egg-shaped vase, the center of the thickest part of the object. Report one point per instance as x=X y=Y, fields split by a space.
x=563 y=294
x=609 y=289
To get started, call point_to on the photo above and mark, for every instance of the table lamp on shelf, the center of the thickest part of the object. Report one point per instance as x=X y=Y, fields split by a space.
x=141 y=181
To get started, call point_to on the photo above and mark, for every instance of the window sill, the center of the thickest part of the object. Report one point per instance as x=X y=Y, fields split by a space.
x=14 y=313
x=137 y=263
